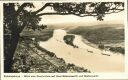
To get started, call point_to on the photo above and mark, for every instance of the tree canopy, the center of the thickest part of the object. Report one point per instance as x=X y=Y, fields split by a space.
x=81 y=9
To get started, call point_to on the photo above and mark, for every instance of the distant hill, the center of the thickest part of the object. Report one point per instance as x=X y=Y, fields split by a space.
x=68 y=26
x=100 y=33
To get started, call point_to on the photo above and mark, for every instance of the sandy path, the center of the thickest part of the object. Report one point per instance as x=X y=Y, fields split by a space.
x=84 y=56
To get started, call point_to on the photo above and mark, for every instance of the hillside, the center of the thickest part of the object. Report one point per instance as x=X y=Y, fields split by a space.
x=100 y=32
x=111 y=36
x=30 y=58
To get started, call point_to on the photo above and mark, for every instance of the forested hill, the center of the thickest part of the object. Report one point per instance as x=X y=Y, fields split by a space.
x=100 y=32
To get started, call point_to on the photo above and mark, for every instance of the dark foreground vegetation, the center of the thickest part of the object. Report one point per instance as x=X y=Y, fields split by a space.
x=31 y=58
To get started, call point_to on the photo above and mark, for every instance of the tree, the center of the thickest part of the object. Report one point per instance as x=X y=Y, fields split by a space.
x=15 y=20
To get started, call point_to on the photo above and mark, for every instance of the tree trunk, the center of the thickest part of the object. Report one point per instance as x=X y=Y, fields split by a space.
x=11 y=39
x=8 y=62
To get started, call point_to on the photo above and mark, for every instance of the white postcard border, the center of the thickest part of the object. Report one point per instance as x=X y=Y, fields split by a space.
x=100 y=75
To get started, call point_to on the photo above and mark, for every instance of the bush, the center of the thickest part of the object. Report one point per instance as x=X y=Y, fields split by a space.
x=101 y=46
x=117 y=49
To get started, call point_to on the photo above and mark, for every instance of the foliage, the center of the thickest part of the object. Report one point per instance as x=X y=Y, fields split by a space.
x=98 y=9
x=21 y=18
x=101 y=46
x=31 y=19
x=117 y=49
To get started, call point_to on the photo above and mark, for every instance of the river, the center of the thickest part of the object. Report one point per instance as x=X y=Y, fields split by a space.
x=85 y=56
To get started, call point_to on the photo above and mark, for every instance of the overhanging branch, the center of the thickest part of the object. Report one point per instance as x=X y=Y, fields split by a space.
x=42 y=14
x=22 y=7
x=42 y=8
x=80 y=15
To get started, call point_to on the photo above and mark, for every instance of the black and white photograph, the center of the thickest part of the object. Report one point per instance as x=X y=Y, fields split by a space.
x=64 y=37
